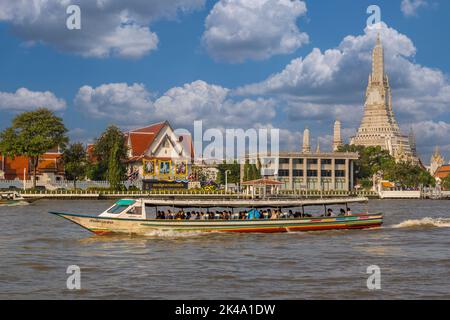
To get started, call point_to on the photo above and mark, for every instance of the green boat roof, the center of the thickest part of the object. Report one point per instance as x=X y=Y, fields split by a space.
x=125 y=202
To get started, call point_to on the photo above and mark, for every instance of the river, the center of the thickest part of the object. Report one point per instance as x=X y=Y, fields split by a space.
x=411 y=250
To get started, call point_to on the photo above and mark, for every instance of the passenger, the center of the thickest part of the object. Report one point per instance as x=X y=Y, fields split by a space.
x=341 y=212
x=274 y=215
x=349 y=212
x=269 y=214
x=291 y=214
x=330 y=213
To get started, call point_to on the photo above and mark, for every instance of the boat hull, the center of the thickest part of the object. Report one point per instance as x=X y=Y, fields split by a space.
x=103 y=225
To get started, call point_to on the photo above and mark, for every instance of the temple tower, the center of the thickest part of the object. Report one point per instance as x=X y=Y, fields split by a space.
x=379 y=126
x=337 y=138
x=437 y=161
x=306 y=141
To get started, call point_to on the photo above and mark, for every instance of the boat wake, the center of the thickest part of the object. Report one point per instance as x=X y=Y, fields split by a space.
x=173 y=234
x=424 y=223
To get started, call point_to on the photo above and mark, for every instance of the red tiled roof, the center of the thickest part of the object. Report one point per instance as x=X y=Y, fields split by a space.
x=153 y=128
x=142 y=138
x=266 y=182
x=14 y=167
x=442 y=172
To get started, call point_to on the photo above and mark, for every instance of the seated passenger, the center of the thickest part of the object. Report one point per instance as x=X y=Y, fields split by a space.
x=349 y=212
x=341 y=212
x=330 y=213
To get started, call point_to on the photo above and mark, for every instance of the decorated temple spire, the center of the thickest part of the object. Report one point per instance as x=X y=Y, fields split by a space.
x=412 y=142
x=378 y=62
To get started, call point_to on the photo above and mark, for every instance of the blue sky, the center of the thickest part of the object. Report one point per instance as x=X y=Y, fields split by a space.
x=232 y=63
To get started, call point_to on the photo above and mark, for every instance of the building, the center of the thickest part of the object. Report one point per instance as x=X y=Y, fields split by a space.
x=437 y=161
x=308 y=170
x=50 y=167
x=158 y=156
x=442 y=172
x=379 y=126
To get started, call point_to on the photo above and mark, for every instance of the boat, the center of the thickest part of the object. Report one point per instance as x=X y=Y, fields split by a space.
x=139 y=216
x=11 y=198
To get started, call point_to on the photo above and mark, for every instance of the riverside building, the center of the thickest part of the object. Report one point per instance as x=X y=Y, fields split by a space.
x=309 y=170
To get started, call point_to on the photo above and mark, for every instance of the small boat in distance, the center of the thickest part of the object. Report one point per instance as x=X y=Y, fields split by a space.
x=11 y=198
x=144 y=216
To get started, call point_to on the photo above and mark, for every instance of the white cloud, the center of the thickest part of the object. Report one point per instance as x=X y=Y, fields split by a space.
x=237 y=30
x=24 y=100
x=338 y=77
x=410 y=7
x=135 y=105
x=116 y=101
x=108 y=27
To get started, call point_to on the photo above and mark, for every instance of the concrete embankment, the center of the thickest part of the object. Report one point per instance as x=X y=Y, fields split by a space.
x=31 y=197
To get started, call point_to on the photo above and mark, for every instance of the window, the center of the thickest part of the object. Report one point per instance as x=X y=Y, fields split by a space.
x=284 y=161
x=326 y=161
x=135 y=210
x=326 y=173
x=340 y=173
x=339 y=161
x=312 y=173
x=297 y=173
x=117 y=209
x=297 y=161
x=312 y=161
x=283 y=173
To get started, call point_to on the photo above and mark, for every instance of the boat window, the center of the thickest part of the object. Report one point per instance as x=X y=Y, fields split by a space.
x=135 y=210
x=117 y=209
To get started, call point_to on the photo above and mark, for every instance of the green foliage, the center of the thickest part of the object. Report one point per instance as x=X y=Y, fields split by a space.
x=251 y=171
x=111 y=153
x=374 y=159
x=446 y=183
x=32 y=134
x=116 y=169
x=233 y=176
x=75 y=162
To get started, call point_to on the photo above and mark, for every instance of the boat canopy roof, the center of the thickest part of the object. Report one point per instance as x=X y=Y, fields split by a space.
x=249 y=203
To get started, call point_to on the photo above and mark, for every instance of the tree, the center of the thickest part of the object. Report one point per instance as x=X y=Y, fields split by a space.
x=116 y=169
x=234 y=176
x=110 y=152
x=374 y=159
x=31 y=135
x=446 y=182
x=75 y=162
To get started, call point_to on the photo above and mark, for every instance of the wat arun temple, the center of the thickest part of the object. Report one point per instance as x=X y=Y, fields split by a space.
x=379 y=126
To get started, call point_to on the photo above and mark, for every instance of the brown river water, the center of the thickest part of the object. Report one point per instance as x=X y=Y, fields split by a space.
x=411 y=250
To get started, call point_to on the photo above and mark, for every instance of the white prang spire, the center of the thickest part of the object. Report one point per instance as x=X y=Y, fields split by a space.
x=306 y=141
x=337 y=138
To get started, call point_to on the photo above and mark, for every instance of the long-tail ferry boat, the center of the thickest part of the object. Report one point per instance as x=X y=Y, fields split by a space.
x=144 y=216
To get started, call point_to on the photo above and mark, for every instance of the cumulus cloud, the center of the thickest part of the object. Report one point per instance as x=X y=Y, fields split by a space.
x=338 y=77
x=108 y=28
x=25 y=100
x=430 y=134
x=237 y=30
x=410 y=7
x=135 y=105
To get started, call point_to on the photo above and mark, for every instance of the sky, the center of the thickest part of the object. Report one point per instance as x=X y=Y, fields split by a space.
x=285 y=64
